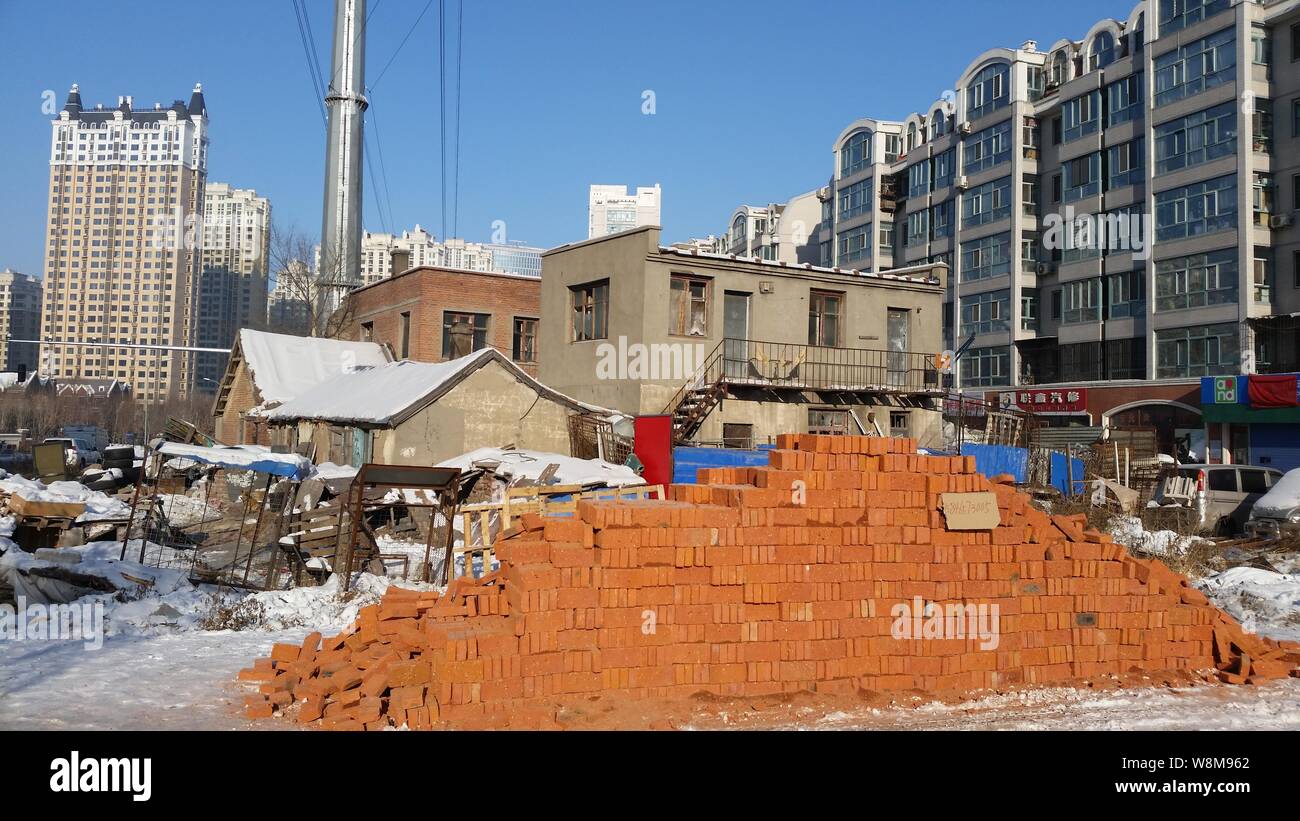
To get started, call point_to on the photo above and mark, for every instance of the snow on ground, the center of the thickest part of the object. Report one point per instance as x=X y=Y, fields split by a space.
x=99 y=505
x=1264 y=602
x=183 y=510
x=1128 y=531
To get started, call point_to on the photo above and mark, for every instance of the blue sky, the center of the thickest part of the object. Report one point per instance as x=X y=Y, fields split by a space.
x=749 y=97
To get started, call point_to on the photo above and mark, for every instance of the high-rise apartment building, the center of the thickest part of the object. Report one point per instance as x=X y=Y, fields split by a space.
x=612 y=209
x=1119 y=211
x=425 y=250
x=122 y=251
x=780 y=232
x=20 y=319
x=235 y=270
x=291 y=303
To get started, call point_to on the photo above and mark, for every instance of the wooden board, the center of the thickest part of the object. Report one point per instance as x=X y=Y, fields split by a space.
x=51 y=510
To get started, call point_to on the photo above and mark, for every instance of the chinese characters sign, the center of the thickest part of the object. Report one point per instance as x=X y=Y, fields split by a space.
x=1065 y=400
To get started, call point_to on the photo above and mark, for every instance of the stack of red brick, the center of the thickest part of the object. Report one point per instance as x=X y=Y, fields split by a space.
x=762 y=581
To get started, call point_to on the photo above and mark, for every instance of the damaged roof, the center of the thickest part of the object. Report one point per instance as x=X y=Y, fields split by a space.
x=389 y=394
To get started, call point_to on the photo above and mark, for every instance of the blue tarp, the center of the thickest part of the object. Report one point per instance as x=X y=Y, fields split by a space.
x=236 y=457
x=686 y=461
x=1061 y=476
x=994 y=460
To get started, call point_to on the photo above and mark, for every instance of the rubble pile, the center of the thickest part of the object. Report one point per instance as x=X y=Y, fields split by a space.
x=762 y=581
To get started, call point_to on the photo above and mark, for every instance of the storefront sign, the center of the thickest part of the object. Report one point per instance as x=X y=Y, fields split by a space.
x=1063 y=400
x=1225 y=390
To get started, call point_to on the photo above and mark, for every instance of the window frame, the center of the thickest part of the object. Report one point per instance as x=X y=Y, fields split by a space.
x=684 y=311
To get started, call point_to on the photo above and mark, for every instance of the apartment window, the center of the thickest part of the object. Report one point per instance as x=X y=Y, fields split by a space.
x=463 y=333
x=1082 y=115
x=1197 y=138
x=1204 y=350
x=917 y=228
x=1196 y=281
x=524 y=347
x=1056 y=131
x=1125 y=294
x=1056 y=188
x=1261 y=46
x=988 y=91
x=855 y=244
x=855 y=199
x=590 y=311
x=893 y=147
x=1196 y=67
x=899 y=424
x=1056 y=303
x=988 y=148
x=405 y=335
x=367 y=332
x=1029 y=309
x=918 y=179
x=1262 y=196
x=1261 y=126
x=1081 y=301
x=985 y=313
x=1179 y=14
x=1082 y=177
x=1029 y=252
x=1124 y=98
x=945 y=168
x=987 y=203
x=1125 y=164
x=828 y=422
x=986 y=257
x=825 y=313
x=886 y=235
x=941 y=221
x=688 y=310
x=1262 y=275
x=986 y=367
x=1200 y=208
x=856 y=153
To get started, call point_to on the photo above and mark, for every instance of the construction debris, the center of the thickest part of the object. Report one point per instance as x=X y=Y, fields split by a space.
x=829 y=570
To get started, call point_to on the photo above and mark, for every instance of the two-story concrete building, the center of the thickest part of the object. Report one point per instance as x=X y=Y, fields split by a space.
x=738 y=349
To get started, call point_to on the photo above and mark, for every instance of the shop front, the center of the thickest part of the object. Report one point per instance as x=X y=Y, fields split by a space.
x=1253 y=419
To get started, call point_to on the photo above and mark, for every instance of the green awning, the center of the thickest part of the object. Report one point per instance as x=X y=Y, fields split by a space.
x=1246 y=415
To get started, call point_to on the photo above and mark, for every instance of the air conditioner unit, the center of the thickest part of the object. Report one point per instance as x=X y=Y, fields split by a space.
x=1045 y=268
x=963 y=182
x=964 y=127
x=1281 y=221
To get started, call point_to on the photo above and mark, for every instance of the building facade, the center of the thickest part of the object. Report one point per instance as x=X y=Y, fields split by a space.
x=431 y=314
x=780 y=232
x=20 y=318
x=121 y=258
x=1119 y=210
x=613 y=208
x=235 y=272
x=740 y=350
x=290 y=307
x=424 y=249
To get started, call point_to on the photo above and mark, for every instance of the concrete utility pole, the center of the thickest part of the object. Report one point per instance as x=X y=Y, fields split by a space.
x=340 y=253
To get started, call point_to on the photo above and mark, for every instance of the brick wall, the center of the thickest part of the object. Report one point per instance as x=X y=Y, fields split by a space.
x=426 y=293
x=763 y=581
x=242 y=397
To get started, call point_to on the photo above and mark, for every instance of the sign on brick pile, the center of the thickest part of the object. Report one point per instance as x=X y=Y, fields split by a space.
x=764 y=580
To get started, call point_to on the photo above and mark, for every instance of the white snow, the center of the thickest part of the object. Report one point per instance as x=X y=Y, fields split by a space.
x=99 y=506
x=1281 y=499
x=285 y=367
x=1128 y=531
x=511 y=465
x=1264 y=602
x=184 y=510
x=240 y=456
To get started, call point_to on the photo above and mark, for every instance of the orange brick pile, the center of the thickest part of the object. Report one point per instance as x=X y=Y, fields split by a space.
x=761 y=581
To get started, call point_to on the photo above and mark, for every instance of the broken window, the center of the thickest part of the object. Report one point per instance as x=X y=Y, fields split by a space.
x=590 y=311
x=525 y=341
x=688 y=312
x=462 y=333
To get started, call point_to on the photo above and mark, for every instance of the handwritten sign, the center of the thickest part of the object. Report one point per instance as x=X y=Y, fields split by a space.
x=970 y=511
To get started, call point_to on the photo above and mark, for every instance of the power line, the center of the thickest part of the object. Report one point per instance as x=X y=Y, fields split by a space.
x=409 y=32
x=312 y=74
x=460 y=42
x=442 y=105
x=379 y=205
x=383 y=170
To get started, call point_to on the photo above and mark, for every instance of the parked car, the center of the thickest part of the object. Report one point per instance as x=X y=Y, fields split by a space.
x=78 y=452
x=1277 y=513
x=1221 y=495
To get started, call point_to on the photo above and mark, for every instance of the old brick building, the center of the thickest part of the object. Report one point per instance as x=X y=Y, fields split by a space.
x=432 y=314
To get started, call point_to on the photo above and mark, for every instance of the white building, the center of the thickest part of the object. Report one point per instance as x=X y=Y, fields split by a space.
x=234 y=278
x=425 y=249
x=612 y=209
x=20 y=318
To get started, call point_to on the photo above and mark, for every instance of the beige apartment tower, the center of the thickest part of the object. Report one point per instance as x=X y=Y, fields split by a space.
x=235 y=273
x=122 y=256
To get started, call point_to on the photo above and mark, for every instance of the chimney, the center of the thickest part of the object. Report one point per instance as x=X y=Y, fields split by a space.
x=401 y=261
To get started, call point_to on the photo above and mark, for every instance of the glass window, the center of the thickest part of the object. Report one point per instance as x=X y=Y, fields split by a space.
x=918 y=228
x=1081 y=301
x=524 y=348
x=688 y=308
x=1200 y=208
x=1125 y=294
x=986 y=367
x=856 y=153
x=1082 y=177
x=1261 y=125
x=987 y=148
x=1261 y=46
x=945 y=168
x=855 y=245
x=1204 y=350
x=941 y=220
x=1195 y=67
x=987 y=92
x=1125 y=100
x=1252 y=481
x=918 y=179
x=463 y=333
x=1197 y=138
x=855 y=199
x=1125 y=164
x=1082 y=115
x=1196 y=281
x=987 y=203
x=987 y=257
x=590 y=311
x=986 y=312
x=1102 y=51
x=825 y=309
x=1179 y=14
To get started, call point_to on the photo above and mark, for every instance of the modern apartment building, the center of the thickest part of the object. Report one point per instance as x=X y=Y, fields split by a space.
x=613 y=208
x=780 y=232
x=289 y=306
x=235 y=271
x=121 y=258
x=425 y=250
x=20 y=318
x=1120 y=210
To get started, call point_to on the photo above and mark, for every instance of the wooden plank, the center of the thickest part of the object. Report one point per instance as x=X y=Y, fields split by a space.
x=44 y=509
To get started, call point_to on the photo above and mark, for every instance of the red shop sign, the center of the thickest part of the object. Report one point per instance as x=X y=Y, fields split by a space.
x=1054 y=400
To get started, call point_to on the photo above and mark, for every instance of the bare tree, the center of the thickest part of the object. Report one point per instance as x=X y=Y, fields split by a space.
x=296 y=306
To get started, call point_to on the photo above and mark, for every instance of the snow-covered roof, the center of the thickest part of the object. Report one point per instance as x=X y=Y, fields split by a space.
x=511 y=464
x=243 y=457
x=284 y=367
x=387 y=395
